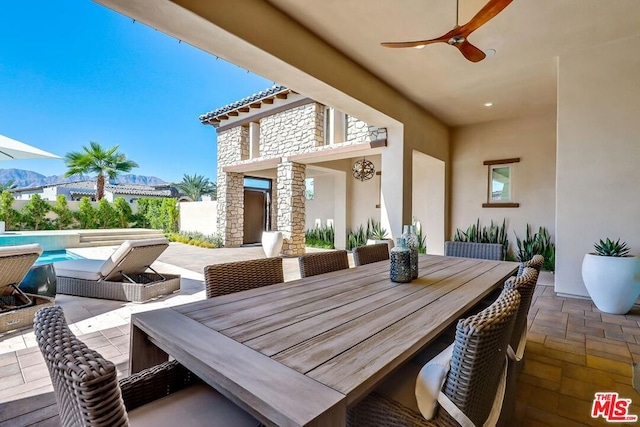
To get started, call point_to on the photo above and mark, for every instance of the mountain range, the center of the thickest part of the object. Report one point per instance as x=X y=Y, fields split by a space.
x=25 y=178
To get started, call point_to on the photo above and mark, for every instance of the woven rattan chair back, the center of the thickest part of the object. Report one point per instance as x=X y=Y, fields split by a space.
x=85 y=384
x=493 y=251
x=479 y=359
x=323 y=262
x=222 y=279
x=370 y=253
x=535 y=262
x=525 y=284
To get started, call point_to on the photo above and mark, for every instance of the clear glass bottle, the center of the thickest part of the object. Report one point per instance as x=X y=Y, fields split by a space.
x=412 y=242
x=400 y=269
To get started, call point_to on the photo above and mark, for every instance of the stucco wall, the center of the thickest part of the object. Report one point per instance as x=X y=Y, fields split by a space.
x=533 y=140
x=429 y=199
x=322 y=205
x=364 y=195
x=199 y=216
x=598 y=155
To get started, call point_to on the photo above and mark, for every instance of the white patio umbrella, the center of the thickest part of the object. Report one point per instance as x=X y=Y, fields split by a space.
x=10 y=149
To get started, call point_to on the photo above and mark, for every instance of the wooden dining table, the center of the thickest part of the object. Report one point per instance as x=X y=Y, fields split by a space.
x=301 y=353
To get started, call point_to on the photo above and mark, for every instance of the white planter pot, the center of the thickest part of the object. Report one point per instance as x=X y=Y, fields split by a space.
x=272 y=243
x=613 y=282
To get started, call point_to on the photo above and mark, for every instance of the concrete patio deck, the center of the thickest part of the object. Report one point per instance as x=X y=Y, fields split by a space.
x=573 y=350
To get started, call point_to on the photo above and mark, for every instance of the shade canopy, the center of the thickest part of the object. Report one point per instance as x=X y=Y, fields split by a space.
x=10 y=149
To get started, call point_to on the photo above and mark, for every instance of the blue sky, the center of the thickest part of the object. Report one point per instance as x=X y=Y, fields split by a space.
x=73 y=71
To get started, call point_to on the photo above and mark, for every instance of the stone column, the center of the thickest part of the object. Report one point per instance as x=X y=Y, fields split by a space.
x=231 y=208
x=290 y=200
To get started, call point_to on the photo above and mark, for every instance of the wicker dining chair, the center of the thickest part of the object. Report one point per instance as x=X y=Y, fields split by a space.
x=492 y=251
x=89 y=394
x=227 y=278
x=535 y=262
x=370 y=253
x=323 y=262
x=474 y=379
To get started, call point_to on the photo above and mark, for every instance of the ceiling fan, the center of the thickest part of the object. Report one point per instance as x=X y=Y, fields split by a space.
x=458 y=36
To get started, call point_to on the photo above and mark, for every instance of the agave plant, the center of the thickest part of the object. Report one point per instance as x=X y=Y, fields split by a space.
x=610 y=248
x=492 y=234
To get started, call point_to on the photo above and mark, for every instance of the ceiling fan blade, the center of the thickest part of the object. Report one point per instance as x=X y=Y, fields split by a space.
x=471 y=52
x=416 y=43
x=489 y=11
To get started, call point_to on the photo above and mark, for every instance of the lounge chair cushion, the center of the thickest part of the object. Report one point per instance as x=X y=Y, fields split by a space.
x=96 y=269
x=84 y=269
x=196 y=405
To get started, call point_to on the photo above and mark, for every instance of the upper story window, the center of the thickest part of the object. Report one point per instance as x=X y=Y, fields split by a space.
x=335 y=126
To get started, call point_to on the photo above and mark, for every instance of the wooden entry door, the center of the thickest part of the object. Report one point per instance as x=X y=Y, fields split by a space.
x=255 y=215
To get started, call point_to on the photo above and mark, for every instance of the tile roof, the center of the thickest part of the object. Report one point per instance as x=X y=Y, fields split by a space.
x=273 y=90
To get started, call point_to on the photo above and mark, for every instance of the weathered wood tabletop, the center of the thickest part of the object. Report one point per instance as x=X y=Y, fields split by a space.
x=301 y=352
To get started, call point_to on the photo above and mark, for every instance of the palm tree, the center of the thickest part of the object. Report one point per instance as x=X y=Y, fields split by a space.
x=95 y=159
x=196 y=185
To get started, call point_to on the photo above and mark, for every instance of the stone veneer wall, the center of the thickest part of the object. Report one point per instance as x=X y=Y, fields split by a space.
x=295 y=131
x=291 y=131
x=232 y=148
x=359 y=131
x=291 y=213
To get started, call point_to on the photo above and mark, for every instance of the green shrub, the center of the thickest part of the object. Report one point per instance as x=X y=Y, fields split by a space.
x=64 y=217
x=158 y=213
x=320 y=237
x=10 y=216
x=196 y=239
x=536 y=244
x=123 y=213
x=357 y=237
x=34 y=213
x=106 y=216
x=422 y=239
x=86 y=214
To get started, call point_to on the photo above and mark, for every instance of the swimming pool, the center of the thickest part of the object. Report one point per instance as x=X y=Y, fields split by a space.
x=55 y=256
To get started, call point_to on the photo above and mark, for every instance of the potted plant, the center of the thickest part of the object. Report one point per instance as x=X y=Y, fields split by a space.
x=378 y=234
x=612 y=276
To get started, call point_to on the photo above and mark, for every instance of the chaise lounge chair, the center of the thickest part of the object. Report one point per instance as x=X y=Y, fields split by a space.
x=16 y=307
x=126 y=276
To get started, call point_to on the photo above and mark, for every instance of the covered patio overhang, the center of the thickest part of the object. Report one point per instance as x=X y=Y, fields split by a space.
x=545 y=84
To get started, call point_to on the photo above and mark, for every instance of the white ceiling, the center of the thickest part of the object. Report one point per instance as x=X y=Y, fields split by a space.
x=520 y=79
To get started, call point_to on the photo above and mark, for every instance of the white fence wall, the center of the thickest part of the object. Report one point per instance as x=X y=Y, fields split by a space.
x=199 y=216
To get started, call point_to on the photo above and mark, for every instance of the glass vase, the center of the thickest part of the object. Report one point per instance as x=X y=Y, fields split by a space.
x=400 y=270
x=412 y=242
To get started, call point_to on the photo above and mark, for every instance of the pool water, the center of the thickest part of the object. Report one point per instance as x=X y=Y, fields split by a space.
x=55 y=256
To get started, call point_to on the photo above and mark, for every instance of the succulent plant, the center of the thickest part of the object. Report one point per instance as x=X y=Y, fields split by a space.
x=611 y=248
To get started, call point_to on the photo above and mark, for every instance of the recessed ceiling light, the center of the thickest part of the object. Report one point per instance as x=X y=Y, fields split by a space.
x=488 y=104
x=490 y=52
x=422 y=46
